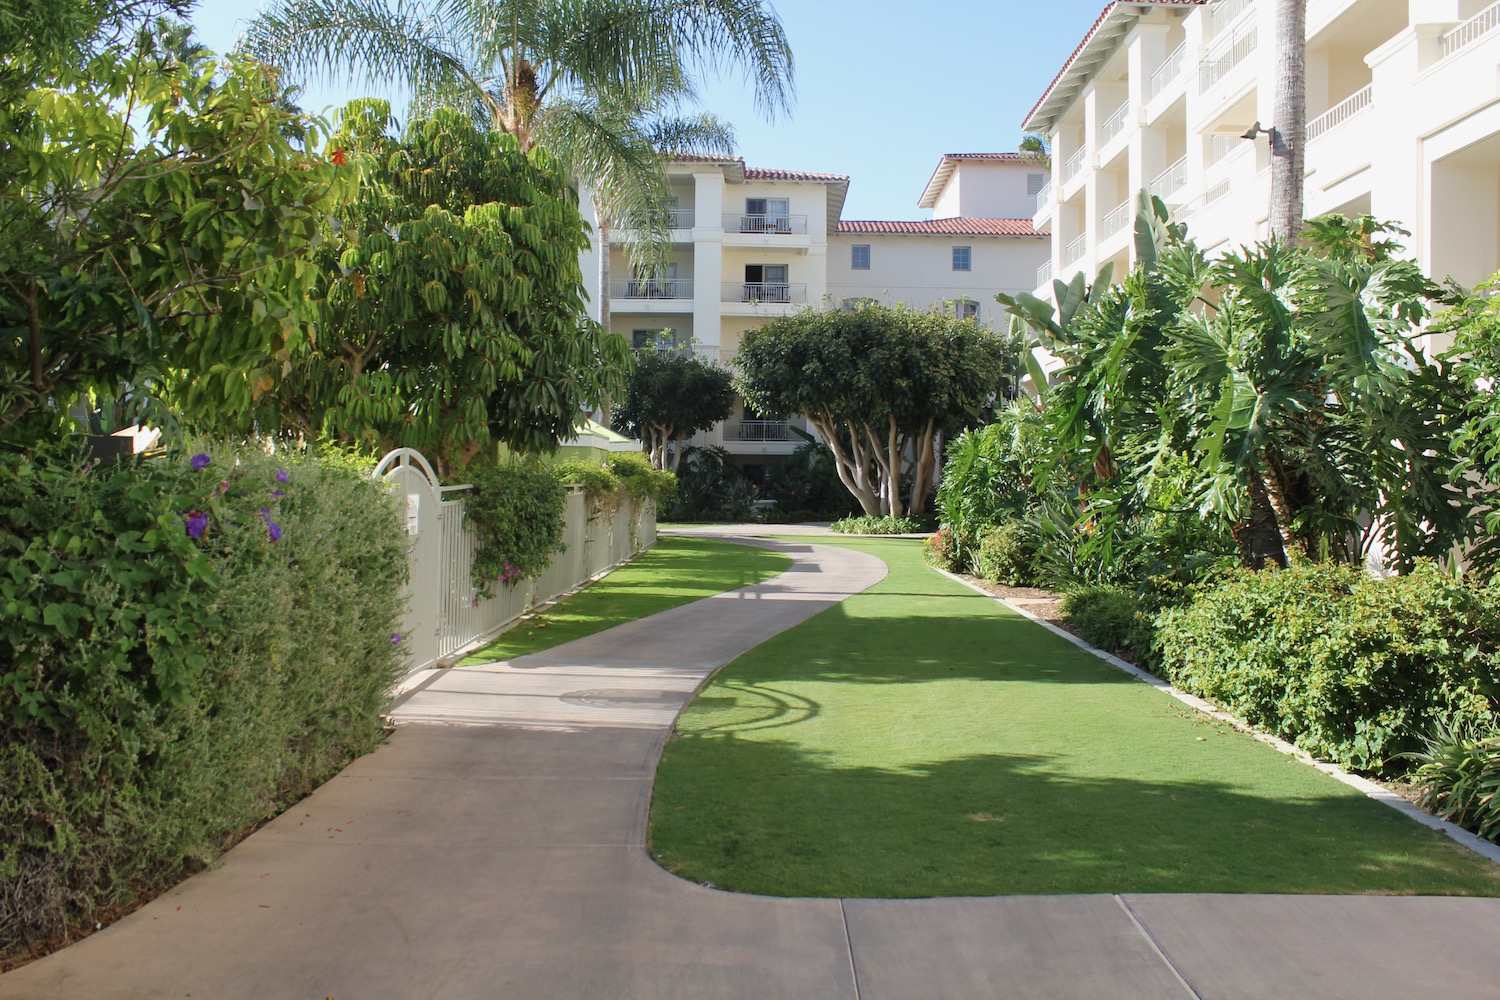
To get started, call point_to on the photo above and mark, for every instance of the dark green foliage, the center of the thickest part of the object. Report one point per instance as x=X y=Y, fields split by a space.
x=1108 y=617
x=159 y=694
x=1458 y=778
x=669 y=397
x=597 y=481
x=1350 y=668
x=806 y=486
x=1007 y=553
x=887 y=525
x=640 y=480
x=517 y=516
x=987 y=477
x=710 y=487
x=940 y=549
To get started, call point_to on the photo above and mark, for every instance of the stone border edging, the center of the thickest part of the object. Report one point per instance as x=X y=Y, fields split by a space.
x=1370 y=789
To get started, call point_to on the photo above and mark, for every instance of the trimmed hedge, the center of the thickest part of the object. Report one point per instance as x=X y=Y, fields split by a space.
x=1349 y=668
x=1108 y=617
x=1006 y=553
x=187 y=646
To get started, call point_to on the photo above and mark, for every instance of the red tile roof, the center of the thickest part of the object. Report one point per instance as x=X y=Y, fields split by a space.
x=1089 y=36
x=987 y=156
x=944 y=227
x=764 y=174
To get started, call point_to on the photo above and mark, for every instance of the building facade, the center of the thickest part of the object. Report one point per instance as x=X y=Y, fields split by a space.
x=1403 y=123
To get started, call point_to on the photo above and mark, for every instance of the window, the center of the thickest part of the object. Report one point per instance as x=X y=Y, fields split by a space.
x=767 y=283
x=1035 y=183
x=766 y=215
x=963 y=258
x=660 y=341
x=859 y=257
x=856 y=303
x=965 y=308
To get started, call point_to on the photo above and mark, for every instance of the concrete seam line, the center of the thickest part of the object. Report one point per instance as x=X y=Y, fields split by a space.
x=1156 y=945
x=849 y=945
x=1481 y=847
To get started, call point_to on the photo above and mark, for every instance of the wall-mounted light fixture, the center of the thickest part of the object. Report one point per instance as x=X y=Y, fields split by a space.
x=1255 y=130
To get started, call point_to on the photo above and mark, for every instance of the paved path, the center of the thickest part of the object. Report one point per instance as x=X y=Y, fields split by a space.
x=493 y=848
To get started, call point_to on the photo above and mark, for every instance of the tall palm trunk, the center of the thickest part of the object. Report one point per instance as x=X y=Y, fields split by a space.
x=1290 y=119
x=601 y=234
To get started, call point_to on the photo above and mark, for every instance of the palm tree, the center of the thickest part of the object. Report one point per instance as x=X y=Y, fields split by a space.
x=1290 y=119
x=597 y=82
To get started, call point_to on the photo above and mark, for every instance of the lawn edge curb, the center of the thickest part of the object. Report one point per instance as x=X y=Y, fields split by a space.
x=1484 y=848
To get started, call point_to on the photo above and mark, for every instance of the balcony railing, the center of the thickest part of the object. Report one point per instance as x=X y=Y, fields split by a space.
x=1116 y=219
x=1075 y=250
x=679 y=218
x=1074 y=163
x=1215 y=193
x=763 y=291
x=1339 y=113
x=1044 y=196
x=1471 y=30
x=1220 y=146
x=1170 y=180
x=783 y=225
x=1044 y=275
x=1169 y=70
x=1224 y=14
x=756 y=430
x=652 y=288
x=1224 y=59
x=1114 y=124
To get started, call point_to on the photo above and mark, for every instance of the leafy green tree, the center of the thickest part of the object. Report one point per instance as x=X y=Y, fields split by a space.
x=879 y=384
x=155 y=216
x=450 y=301
x=669 y=397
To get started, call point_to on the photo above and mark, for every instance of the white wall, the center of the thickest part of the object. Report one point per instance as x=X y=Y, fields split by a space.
x=918 y=270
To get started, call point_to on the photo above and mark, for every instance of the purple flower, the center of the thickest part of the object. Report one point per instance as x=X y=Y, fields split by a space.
x=282 y=477
x=200 y=461
x=265 y=513
x=395 y=638
x=275 y=530
x=195 y=521
x=277 y=494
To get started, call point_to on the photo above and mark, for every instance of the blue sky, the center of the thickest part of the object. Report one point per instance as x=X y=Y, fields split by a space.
x=884 y=88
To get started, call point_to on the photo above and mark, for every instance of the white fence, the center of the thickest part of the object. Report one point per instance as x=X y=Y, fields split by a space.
x=443 y=613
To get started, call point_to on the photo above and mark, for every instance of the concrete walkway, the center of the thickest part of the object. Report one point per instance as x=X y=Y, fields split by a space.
x=493 y=848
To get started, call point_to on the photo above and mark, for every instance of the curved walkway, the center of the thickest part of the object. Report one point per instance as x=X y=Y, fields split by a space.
x=493 y=848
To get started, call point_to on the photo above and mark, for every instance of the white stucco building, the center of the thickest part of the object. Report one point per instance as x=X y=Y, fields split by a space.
x=751 y=244
x=1403 y=123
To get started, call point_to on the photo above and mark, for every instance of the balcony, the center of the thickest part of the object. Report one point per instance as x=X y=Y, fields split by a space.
x=1074 y=251
x=1114 y=124
x=1169 y=70
x=783 y=225
x=1343 y=111
x=1116 y=219
x=652 y=288
x=763 y=292
x=756 y=430
x=679 y=218
x=1044 y=196
x=1224 y=13
x=1074 y=163
x=1471 y=30
x=1225 y=58
x=1044 y=275
x=1170 y=180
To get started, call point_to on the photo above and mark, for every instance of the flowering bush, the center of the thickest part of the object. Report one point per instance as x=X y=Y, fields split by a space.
x=517 y=516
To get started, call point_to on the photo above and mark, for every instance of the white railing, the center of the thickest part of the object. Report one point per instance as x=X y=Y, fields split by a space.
x=1044 y=196
x=444 y=614
x=1169 y=70
x=1075 y=250
x=756 y=430
x=782 y=225
x=652 y=288
x=1114 y=124
x=1220 y=146
x=1222 y=60
x=1170 y=180
x=1074 y=163
x=1471 y=30
x=1116 y=219
x=1339 y=113
x=1224 y=14
x=679 y=218
x=1216 y=192
x=762 y=291
x=1044 y=275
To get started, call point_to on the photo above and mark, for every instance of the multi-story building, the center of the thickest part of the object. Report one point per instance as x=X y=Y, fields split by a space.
x=751 y=244
x=1403 y=123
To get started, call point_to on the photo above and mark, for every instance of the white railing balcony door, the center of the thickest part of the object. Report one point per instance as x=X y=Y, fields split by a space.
x=1225 y=58
x=1114 y=124
x=1074 y=163
x=652 y=288
x=783 y=225
x=1169 y=70
x=1471 y=30
x=1170 y=180
x=1339 y=113
x=1074 y=251
x=757 y=430
x=763 y=291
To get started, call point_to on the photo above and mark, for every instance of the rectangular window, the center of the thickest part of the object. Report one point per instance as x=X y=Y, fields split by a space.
x=766 y=215
x=859 y=257
x=767 y=283
x=966 y=309
x=660 y=341
x=963 y=258
x=1035 y=183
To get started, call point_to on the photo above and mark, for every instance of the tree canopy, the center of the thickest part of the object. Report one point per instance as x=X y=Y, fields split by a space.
x=669 y=397
x=880 y=384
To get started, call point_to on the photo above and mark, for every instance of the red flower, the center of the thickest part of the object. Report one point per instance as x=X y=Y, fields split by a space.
x=339 y=157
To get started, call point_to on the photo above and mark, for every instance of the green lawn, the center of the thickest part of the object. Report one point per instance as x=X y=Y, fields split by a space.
x=922 y=740
x=675 y=571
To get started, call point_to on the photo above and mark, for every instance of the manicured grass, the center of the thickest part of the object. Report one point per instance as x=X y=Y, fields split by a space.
x=676 y=571
x=922 y=740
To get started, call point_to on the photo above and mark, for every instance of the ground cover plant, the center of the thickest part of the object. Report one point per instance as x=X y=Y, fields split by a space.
x=675 y=571
x=921 y=740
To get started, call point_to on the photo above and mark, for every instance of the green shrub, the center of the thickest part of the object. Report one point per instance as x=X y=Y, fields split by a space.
x=940 y=549
x=1109 y=618
x=1347 y=667
x=517 y=517
x=806 y=487
x=877 y=526
x=640 y=480
x=1006 y=553
x=183 y=651
x=599 y=484
x=1458 y=779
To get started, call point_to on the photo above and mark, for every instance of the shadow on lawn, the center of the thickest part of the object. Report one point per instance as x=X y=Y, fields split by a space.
x=769 y=817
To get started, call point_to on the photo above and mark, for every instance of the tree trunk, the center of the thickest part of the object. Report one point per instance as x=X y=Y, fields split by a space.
x=1288 y=128
x=601 y=234
x=847 y=465
x=1260 y=540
